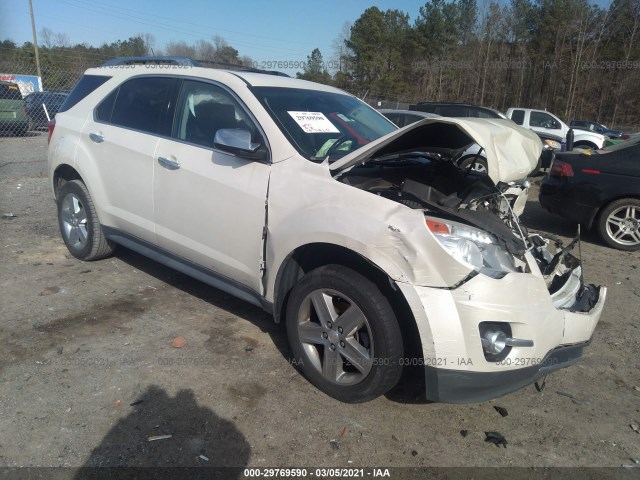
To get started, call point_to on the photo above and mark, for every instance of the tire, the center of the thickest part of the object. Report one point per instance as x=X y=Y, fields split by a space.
x=79 y=224
x=619 y=224
x=355 y=321
x=590 y=145
x=478 y=165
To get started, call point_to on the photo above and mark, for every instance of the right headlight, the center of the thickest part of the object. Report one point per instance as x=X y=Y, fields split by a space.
x=472 y=247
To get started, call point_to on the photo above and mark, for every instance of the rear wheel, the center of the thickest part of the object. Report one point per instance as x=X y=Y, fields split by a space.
x=619 y=224
x=344 y=334
x=79 y=224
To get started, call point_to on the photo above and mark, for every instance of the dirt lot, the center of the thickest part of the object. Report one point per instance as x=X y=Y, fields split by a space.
x=81 y=342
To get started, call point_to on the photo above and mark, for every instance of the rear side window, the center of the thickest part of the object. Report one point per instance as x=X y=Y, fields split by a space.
x=10 y=92
x=86 y=85
x=141 y=104
x=518 y=116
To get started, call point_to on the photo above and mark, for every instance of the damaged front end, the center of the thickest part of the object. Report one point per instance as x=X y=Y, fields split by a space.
x=523 y=309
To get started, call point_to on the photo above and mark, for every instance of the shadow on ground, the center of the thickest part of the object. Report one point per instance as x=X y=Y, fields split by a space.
x=198 y=438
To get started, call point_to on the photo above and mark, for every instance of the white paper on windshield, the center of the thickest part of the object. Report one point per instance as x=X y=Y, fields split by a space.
x=313 y=122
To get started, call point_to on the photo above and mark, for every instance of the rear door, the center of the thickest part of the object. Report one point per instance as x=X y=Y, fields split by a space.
x=122 y=138
x=210 y=206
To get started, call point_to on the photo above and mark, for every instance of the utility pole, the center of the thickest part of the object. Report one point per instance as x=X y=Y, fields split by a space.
x=35 y=39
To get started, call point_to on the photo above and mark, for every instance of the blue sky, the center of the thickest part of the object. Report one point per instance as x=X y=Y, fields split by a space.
x=282 y=30
x=264 y=30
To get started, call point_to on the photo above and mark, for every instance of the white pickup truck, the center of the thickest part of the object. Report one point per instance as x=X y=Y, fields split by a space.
x=545 y=122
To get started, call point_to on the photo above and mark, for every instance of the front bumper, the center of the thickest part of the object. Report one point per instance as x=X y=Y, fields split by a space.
x=455 y=366
x=455 y=386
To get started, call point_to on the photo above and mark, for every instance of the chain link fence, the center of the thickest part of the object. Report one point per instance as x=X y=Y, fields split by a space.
x=28 y=101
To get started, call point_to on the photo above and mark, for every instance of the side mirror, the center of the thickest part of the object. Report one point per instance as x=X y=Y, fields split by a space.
x=238 y=141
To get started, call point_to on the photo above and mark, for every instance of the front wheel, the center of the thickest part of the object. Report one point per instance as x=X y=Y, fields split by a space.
x=79 y=224
x=475 y=164
x=344 y=334
x=619 y=224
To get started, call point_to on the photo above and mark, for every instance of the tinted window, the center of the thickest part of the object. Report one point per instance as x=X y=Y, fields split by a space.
x=543 y=120
x=105 y=109
x=425 y=107
x=143 y=104
x=203 y=109
x=482 y=113
x=86 y=85
x=453 y=111
x=518 y=116
x=10 y=92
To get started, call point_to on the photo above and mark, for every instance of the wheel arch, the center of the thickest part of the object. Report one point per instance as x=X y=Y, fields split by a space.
x=63 y=174
x=310 y=256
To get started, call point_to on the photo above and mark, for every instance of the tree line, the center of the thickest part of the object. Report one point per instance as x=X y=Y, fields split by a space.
x=570 y=57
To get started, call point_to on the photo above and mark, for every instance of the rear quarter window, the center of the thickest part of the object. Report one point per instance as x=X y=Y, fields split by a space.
x=86 y=85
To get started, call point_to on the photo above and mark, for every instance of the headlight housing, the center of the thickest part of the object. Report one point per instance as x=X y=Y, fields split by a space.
x=472 y=247
x=553 y=144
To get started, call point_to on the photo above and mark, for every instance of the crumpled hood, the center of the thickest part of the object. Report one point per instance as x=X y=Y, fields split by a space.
x=511 y=151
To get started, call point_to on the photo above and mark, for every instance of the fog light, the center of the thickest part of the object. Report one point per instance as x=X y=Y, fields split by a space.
x=494 y=341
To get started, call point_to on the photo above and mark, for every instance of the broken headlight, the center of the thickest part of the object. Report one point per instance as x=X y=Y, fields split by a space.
x=473 y=247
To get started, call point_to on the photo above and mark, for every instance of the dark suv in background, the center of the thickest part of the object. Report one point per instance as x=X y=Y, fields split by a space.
x=34 y=109
x=459 y=110
x=596 y=127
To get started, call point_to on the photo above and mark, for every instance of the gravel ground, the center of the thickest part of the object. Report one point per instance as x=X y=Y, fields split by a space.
x=88 y=372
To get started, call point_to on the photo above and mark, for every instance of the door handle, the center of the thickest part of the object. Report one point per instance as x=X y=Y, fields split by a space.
x=167 y=163
x=96 y=138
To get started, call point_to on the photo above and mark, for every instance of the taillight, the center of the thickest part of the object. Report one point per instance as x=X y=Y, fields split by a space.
x=561 y=169
x=591 y=171
x=52 y=126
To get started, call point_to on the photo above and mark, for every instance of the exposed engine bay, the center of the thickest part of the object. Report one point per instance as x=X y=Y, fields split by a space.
x=432 y=182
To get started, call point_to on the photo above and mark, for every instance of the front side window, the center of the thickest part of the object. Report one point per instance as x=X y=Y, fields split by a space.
x=203 y=109
x=543 y=120
x=140 y=104
x=322 y=124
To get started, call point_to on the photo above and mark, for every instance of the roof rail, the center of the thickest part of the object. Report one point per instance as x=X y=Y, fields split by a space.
x=241 y=68
x=152 y=60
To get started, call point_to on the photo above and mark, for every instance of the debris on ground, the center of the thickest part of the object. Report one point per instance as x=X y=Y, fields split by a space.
x=541 y=383
x=564 y=394
x=9 y=215
x=137 y=402
x=334 y=445
x=496 y=438
x=202 y=457
x=179 y=342
x=153 y=438
x=118 y=403
x=635 y=427
x=501 y=410
x=413 y=453
x=248 y=349
x=464 y=433
x=343 y=431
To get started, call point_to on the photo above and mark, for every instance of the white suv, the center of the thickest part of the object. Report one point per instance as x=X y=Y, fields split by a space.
x=374 y=248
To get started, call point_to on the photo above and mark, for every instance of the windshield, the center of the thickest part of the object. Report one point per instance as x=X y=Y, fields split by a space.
x=322 y=124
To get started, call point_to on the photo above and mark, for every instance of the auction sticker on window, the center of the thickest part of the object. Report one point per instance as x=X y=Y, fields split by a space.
x=313 y=122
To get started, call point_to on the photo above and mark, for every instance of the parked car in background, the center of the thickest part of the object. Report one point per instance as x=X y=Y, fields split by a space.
x=372 y=247
x=600 y=190
x=473 y=156
x=541 y=121
x=596 y=127
x=457 y=110
x=12 y=117
x=35 y=110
